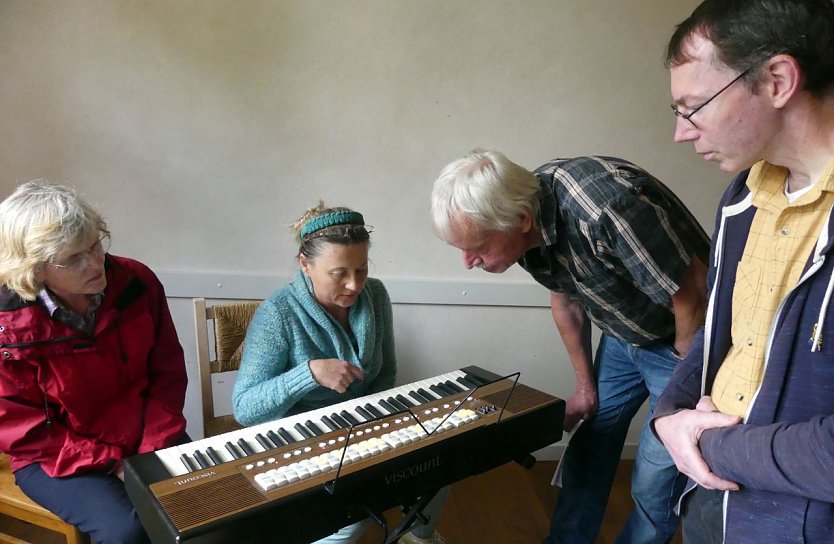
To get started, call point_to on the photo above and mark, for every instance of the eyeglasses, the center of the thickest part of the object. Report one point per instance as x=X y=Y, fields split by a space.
x=78 y=261
x=348 y=232
x=688 y=116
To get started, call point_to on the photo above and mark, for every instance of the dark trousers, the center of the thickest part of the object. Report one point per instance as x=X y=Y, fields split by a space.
x=96 y=503
x=703 y=517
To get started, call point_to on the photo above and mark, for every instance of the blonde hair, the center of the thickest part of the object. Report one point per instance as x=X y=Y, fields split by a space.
x=487 y=189
x=39 y=222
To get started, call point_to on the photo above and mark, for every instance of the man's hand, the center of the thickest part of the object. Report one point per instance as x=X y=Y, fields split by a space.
x=581 y=405
x=680 y=434
x=334 y=374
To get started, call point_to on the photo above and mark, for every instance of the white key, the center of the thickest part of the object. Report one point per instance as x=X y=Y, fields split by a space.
x=266 y=482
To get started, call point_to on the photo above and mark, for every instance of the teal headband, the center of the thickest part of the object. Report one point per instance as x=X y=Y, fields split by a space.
x=341 y=217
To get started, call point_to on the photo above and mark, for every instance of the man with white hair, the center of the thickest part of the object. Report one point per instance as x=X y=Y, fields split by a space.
x=617 y=248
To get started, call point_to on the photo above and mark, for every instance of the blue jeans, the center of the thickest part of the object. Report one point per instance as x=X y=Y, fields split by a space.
x=346 y=535
x=626 y=375
x=351 y=533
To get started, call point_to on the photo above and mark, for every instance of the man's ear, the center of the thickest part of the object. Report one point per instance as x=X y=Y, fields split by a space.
x=526 y=223
x=782 y=79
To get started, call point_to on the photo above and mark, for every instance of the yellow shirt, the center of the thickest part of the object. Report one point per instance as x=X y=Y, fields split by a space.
x=782 y=237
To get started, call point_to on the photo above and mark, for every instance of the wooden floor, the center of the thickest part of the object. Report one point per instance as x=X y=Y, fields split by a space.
x=507 y=505
x=512 y=505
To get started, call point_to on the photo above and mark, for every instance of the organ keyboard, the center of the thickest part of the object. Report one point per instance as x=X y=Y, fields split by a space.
x=335 y=464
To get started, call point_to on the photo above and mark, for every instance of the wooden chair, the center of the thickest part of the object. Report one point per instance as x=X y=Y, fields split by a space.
x=14 y=504
x=229 y=330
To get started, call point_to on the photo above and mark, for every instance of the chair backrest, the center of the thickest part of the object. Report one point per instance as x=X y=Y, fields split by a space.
x=226 y=324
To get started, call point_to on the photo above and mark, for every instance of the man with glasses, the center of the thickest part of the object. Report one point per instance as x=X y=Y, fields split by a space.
x=617 y=248
x=749 y=414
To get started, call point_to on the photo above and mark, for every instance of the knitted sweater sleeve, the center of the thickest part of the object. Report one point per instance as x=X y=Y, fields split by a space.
x=271 y=379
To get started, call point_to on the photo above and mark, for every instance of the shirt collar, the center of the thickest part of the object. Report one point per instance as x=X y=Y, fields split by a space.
x=49 y=301
x=767 y=183
x=53 y=304
x=546 y=219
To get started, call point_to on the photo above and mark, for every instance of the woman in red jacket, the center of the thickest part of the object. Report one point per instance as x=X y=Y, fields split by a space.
x=91 y=370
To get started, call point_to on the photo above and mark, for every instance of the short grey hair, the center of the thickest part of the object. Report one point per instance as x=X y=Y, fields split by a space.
x=39 y=222
x=486 y=189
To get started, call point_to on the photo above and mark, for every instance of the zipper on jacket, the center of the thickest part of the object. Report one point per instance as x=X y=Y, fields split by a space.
x=46 y=342
x=46 y=410
x=728 y=211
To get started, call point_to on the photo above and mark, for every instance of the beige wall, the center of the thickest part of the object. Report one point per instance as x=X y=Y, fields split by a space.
x=200 y=128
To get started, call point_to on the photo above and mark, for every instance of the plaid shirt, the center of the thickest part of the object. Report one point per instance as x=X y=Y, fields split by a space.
x=59 y=312
x=615 y=239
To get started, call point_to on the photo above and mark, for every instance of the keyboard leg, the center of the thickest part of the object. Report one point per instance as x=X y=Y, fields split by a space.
x=411 y=514
x=527 y=461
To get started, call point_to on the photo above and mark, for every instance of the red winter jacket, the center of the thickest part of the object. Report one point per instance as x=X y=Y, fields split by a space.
x=77 y=403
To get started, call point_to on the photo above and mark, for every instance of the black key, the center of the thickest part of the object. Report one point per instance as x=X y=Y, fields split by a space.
x=285 y=434
x=330 y=423
x=388 y=406
x=364 y=413
x=448 y=387
x=339 y=420
x=464 y=381
x=405 y=402
x=477 y=380
x=440 y=391
x=418 y=397
x=303 y=431
x=315 y=429
x=213 y=455
x=397 y=404
x=201 y=459
x=245 y=447
x=189 y=463
x=428 y=396
x=348 y=416
x=277 y=440
x=455 y=387
x=233 y=451
x=264 y=442
x=374 y=410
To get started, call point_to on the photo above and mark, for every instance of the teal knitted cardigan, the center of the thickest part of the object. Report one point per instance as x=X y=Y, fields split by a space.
x=289 y=329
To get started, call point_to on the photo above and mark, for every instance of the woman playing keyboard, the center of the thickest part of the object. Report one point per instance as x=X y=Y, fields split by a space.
x=325 y=338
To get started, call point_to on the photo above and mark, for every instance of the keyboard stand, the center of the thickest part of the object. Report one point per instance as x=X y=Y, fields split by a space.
x=411 y=513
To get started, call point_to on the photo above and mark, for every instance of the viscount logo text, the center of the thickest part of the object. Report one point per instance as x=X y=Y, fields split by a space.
x=195 y=478
x=414 y=470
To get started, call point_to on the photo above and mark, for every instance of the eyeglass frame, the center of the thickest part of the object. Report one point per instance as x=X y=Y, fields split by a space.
x=688 y=116
x=98 y=248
